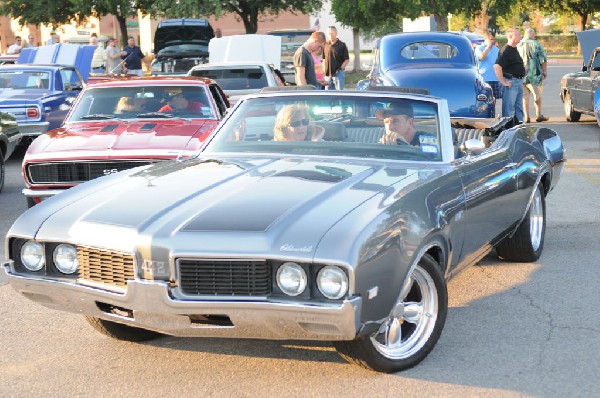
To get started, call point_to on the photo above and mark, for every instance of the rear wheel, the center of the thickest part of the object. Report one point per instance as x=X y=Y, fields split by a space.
x=528 y=241
x=412 y=329
x=122 y=332
x=570 y=114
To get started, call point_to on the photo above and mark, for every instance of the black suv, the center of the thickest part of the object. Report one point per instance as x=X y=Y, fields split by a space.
x=180 y=44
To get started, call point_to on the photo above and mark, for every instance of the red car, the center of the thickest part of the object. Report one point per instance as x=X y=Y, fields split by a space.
x=121 y=124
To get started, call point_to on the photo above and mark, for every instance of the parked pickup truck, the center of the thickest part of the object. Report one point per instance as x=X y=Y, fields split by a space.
x=579 y=91
x=40 y=89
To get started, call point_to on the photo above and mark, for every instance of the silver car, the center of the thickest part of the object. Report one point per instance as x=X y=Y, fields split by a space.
x=306 y=216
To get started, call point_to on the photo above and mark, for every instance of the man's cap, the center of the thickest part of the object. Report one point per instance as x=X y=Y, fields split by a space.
x=111 y=39
x=400 y=108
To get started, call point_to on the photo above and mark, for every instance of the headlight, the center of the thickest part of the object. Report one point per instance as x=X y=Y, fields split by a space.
x=65 y=258
x=291 y=279
x=332 y=282
x=32 y=256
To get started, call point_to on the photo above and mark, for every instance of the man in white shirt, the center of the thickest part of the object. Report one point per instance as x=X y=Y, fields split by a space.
x=15 y=48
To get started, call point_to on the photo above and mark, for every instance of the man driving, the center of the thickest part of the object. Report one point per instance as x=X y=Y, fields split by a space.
x=398 y=120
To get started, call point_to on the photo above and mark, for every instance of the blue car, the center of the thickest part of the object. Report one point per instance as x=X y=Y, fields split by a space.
x=442 y=63
x=40 y=89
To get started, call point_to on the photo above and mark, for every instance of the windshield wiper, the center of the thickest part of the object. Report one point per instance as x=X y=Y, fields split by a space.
x=154 y=114
x=98 y=116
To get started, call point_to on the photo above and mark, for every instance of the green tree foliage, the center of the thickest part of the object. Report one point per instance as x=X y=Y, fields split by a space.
x=247 y=10
x=37 y=12
x=584 y=9
x=62 y=12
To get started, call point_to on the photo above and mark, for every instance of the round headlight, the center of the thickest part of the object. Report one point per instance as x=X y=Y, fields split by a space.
x=65 y=258
x=32 y=256
x=332 y=282
x=291 y=279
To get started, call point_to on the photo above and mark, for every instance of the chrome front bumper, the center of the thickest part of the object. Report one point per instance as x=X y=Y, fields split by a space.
x=151 y=307
x=33 y=129
x=41 y=193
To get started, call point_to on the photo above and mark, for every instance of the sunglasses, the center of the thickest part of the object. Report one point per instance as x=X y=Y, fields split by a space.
x=298 y=123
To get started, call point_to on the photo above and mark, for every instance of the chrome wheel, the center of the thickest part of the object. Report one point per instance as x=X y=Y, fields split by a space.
x=536 y=220
x=412 y=320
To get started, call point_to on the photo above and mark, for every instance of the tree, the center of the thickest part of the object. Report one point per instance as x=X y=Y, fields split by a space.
x=247 y=10
x=38 y=12
x=582 y=8
x=362 y=17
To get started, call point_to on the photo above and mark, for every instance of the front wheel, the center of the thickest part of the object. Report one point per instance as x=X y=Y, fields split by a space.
x=121 y=332
x=570 y=114
x=412 y=329
x=528 y=241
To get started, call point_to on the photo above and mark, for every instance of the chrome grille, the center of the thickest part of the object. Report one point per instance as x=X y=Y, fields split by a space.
x=225 y=278
x=76 y=172
x=103 y=266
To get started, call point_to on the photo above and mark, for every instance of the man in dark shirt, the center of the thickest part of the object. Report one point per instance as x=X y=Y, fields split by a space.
x=336 y=60
x=133 y=59
x=304 y=65
x=510 y=71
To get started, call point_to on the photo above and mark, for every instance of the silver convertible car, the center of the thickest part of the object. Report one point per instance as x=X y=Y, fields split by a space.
x=308 y=215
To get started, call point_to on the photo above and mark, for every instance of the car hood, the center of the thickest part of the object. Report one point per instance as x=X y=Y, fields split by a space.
x=149 y=138
x=455 y=82
x=588 y=40
x=262 y=205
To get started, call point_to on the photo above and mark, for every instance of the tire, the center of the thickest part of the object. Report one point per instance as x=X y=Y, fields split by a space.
x=527 y=243
x=2 y=170
x=570 y=114
x=122 y=332
x=415 y=323
x=30 y=202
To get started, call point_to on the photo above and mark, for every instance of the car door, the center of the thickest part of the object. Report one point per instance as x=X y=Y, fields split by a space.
x=490 y=186
x=586 y=86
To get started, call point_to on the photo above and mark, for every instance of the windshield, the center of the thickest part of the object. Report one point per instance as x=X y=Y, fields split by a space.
x=235 y=78
x=24 y=80
x=143 y=102
x=333 y=125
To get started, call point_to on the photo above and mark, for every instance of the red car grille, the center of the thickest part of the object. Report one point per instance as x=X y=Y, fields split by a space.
x=76 y=172
x=225 y=278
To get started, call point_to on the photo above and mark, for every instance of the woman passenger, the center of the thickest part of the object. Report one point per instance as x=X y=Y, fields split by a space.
x=293 y=123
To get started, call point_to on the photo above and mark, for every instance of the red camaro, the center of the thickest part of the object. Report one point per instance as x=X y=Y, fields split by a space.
x=121 y=124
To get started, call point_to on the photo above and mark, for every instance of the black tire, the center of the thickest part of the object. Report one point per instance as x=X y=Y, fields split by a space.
x=570 y=114
x=2 y=170
x=122 y=332
x=417 y=331
x=30 y=202
x=527 y=243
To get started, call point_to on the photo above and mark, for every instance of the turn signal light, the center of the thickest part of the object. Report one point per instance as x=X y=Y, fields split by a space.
x=33 y=112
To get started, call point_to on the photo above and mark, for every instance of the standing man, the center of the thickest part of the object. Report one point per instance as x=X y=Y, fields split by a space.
x=304 y=66
x=99 y=56
x=133 y=59
x=535 y=61
x=336 y=60
x=510 y=71
x=16 y=47
x=114 y=64
x=487 y=54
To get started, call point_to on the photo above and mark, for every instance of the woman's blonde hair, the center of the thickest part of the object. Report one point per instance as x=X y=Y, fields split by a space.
x=284 y=117
x=128 y=104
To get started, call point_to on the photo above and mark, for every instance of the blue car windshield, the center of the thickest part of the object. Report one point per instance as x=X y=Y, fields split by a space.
x=24 y=80
x=330 y=125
